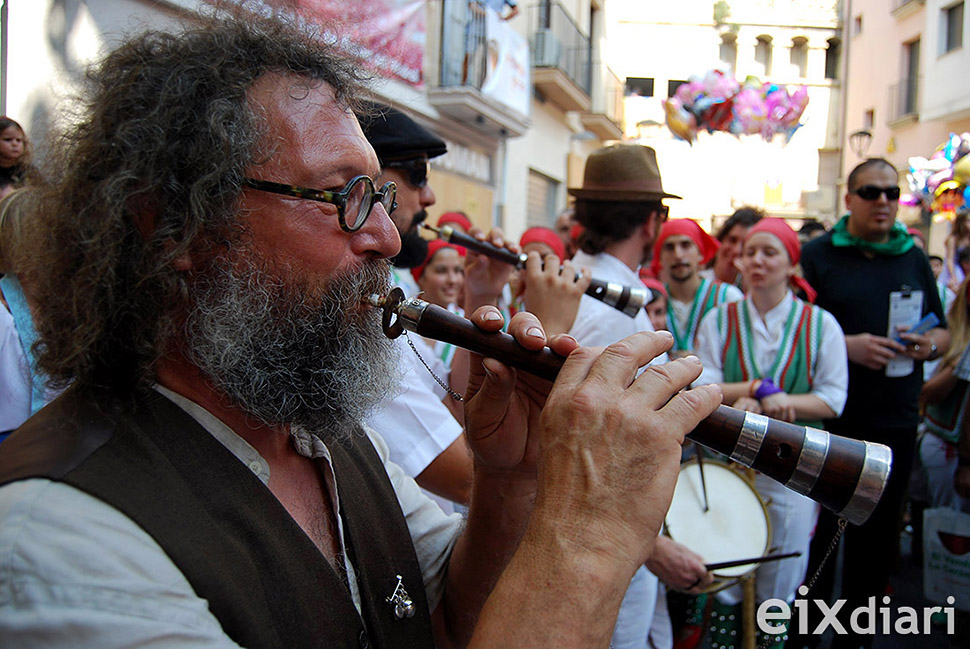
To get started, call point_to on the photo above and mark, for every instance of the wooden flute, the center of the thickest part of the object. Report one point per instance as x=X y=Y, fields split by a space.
x=844 y=475
x=627 y=299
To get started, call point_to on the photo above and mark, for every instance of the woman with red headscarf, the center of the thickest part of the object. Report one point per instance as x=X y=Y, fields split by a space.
x=441 y=278
x=548 y=286
x=775 y=354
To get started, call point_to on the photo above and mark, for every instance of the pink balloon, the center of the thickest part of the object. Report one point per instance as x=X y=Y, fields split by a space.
x=934 y=181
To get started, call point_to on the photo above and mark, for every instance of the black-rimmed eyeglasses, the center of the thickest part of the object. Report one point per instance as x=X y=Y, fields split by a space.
x=354 y=202
x=416 y=170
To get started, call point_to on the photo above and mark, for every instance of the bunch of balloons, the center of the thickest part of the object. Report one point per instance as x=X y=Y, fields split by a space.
x=718 y=102
x=948 y=169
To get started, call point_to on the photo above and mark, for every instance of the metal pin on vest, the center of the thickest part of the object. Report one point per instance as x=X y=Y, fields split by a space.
x=403 y=606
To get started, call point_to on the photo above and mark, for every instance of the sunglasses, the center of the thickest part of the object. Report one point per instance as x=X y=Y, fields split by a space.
x=873 y=192
x=416 y=171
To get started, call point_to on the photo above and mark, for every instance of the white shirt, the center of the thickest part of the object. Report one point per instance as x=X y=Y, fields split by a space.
x=597 y=324
x=14 y=376
x=414 y=423
x=831 y=379
x=75 y=572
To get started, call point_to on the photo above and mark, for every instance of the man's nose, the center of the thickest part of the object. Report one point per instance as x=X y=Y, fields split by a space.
x=427 y=196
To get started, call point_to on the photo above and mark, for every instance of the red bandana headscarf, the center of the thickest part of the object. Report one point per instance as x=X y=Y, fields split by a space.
x=707 y=244
x=546 y=236
x=783 y=232
x=654 y=284
x=433 y=248
x=456 y=218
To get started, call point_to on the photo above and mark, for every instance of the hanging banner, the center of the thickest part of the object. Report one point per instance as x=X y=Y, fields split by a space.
x=388 y=34
x=507 y=65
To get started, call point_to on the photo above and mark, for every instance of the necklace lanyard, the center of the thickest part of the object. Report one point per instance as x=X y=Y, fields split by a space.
x=685 y=340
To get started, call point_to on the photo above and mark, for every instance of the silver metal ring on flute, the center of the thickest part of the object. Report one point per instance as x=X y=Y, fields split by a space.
x=753 y=431
x=876 y=466
x=815 y=449
x=915 y=347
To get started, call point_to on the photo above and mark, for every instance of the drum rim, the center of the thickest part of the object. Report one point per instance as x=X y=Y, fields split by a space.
x=722 y=581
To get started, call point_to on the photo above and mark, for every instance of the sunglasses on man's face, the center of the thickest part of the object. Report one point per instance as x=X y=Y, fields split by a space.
x=873 y=192
x=415 y=170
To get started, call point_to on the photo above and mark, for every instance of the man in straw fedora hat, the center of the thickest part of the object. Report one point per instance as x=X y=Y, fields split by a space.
x=620 y=207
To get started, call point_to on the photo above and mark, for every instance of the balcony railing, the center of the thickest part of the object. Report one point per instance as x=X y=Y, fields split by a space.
x=904 y=99
x=557 y=42
x=461 y=85
x=463 y=47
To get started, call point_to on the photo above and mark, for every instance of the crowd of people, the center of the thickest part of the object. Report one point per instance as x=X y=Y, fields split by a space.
x=214 y=443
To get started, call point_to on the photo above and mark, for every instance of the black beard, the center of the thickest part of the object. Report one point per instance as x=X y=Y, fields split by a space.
x=289 y=353
x=414 y=249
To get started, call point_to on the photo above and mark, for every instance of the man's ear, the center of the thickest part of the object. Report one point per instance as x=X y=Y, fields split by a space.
x=144 y=217
x=651 y=227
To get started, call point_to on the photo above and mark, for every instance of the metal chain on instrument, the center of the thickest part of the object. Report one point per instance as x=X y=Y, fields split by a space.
x=828 y=553
x=454 y=395
x=768 y=638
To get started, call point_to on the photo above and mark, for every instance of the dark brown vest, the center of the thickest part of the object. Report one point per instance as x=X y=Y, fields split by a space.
x=263 y=578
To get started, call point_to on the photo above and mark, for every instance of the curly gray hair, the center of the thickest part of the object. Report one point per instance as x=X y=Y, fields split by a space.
x=151 y=173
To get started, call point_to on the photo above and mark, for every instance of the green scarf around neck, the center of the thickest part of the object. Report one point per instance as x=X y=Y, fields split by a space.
x=899 y=240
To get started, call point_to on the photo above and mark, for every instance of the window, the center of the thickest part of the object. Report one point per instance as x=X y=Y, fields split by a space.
x=799 y=56
x=639 y=87
x=541 y=201
x=672 y=86
x=728 y=51
x=951 y=32
x=857 y=25
x=909 y=87
x=869 y=119
x=762 y=55
x=833 y=58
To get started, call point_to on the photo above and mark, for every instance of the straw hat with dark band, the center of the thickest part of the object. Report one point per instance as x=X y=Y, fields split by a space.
x=622 y=172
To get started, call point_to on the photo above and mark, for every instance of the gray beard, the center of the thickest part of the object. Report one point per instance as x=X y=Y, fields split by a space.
x=288 y=354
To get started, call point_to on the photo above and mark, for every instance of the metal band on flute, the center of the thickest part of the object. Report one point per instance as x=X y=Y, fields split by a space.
x=627 y=299
x=844 y=475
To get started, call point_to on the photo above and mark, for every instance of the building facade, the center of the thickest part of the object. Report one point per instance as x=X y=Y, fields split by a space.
x=785 y=42
x=520 y=101
x=904 y=64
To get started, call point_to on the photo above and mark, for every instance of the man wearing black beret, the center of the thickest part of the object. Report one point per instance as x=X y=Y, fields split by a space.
x=403 y=148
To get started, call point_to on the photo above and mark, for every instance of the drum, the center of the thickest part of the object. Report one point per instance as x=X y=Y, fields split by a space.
x=735 y=525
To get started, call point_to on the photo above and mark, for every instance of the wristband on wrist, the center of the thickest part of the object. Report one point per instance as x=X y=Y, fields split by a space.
x=753 y=387
x=766 y=389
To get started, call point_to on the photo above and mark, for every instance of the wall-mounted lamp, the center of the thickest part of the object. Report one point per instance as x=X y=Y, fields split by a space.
x=859 y=141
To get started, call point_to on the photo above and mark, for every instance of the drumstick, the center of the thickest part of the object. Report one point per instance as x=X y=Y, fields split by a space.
x=700 y=467
x=741 y=562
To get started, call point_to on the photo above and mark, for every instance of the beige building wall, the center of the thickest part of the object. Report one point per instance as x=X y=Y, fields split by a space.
x=50 y=43
x=877 y=64
x=720 y=172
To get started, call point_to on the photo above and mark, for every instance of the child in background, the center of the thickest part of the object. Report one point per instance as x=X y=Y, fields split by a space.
x=14 y=155
x=656 y=308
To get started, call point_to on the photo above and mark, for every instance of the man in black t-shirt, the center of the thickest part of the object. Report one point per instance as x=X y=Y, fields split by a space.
x=866 y=270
